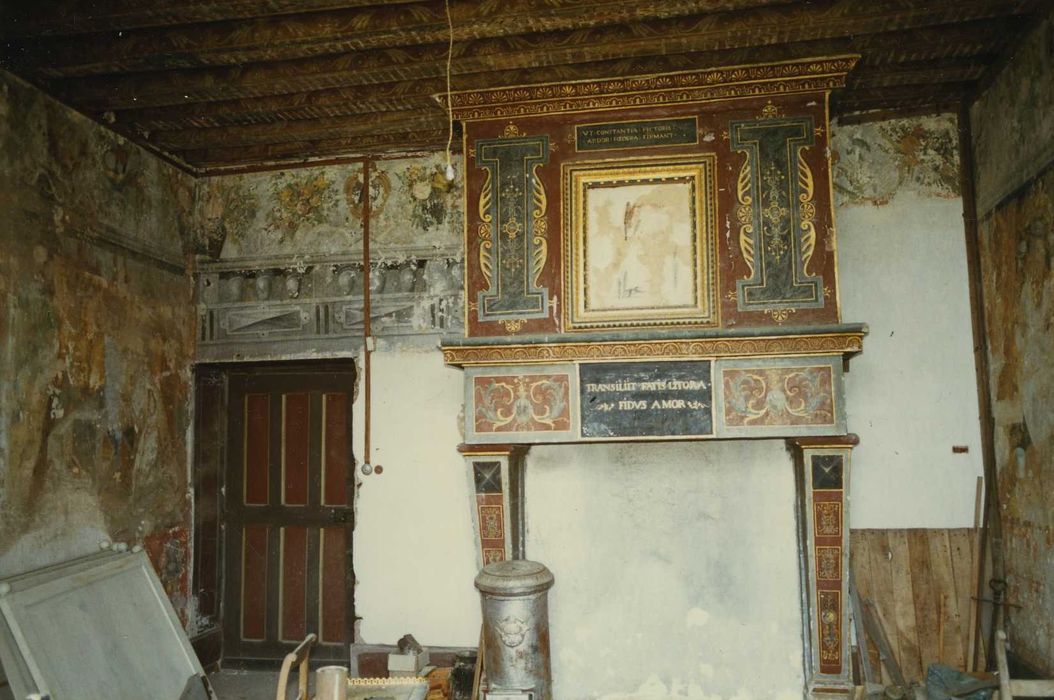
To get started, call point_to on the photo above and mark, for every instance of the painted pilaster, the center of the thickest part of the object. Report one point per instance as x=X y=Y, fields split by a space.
x=495 y=474
x=823 y=492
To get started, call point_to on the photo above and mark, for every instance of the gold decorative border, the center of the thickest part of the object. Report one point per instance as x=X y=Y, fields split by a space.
x=803 y=75
x=695 y=348
x=578 y=176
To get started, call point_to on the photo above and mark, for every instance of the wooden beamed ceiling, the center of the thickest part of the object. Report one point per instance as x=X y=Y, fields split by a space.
x=226 y=84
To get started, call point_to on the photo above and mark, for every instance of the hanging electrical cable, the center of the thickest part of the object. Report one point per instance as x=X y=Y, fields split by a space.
x=449 y=106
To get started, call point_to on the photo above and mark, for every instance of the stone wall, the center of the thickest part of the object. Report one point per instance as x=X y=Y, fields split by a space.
x=98 y=329
x=1013 y=129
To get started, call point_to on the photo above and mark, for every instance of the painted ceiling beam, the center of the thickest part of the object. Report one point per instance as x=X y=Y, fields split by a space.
x=408 y=95
x=539 y=52
x=73 y=17
x=900 y=97
x=325 y=33
x=215 y=158
x=428 y=116
x=303 y=130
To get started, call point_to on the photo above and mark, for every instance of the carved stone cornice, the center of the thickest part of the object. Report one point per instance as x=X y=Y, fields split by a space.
x=802 y=75
x=845 y=343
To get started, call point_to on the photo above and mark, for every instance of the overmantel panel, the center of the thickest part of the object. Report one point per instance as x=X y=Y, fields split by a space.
x=689 y=200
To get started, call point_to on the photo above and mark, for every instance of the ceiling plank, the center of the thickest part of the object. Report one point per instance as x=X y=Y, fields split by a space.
x=841 y=19
x=899 y=97
x=303 y=130
x=341 y=31
x=27 y=18
x=926 y=47
x=212 y=159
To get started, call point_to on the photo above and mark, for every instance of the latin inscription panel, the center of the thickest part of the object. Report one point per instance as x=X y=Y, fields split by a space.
x=637 y=134
x=646 y=399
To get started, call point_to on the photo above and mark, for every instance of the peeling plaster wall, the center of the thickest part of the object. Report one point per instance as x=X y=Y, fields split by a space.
x=97 y=331
x=1013 y=121
x=1017 y=249
x=1014 y=146
x=911 y=395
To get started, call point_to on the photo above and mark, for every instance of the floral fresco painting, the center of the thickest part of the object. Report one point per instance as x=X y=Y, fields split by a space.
x=301 y=201
x=318 y=211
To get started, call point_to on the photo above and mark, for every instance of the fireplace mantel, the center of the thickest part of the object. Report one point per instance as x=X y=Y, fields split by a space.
x=677 y=385
x=842 y=339
x=654 y=258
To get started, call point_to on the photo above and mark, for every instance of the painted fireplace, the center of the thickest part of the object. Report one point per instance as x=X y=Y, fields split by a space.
x=653 y=259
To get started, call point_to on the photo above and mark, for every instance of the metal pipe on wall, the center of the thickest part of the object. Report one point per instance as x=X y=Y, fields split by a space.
x=367 y=336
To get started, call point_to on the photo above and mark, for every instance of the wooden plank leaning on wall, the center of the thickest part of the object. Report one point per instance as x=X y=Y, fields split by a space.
x=925 y=610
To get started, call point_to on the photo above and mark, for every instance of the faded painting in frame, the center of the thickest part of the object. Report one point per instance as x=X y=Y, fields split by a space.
x=640 y=242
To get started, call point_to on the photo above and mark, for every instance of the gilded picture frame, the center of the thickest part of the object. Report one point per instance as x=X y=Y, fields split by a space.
x=640 y=242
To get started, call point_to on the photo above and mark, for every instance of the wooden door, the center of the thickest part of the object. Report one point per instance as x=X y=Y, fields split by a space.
x=288 y=513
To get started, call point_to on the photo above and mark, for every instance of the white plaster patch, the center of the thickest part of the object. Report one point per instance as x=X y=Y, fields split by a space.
x=696 y=617
x=422 y=497
x=910 y=256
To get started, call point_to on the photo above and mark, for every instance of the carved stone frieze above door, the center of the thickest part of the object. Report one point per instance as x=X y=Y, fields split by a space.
x=268 y=309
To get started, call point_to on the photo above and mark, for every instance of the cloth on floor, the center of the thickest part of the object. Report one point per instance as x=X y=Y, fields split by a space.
x=942 y=681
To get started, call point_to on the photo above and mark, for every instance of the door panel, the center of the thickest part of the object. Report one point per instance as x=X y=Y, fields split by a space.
x=296 y=437
x=293 y=555
x=336 y=443
x=332 y=603
x=288 y=518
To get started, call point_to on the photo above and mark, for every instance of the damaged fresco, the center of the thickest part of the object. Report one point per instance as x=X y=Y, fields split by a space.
x=290 y=250
x=1017 y=257
x=419 y=187
x=99 y=322
x=874 y=161
x=317 y=211
x=1013 y=145
x=289 y=212
x=94 y=185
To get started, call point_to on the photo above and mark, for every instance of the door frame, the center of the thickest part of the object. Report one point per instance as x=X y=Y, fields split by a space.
x=345 y=376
